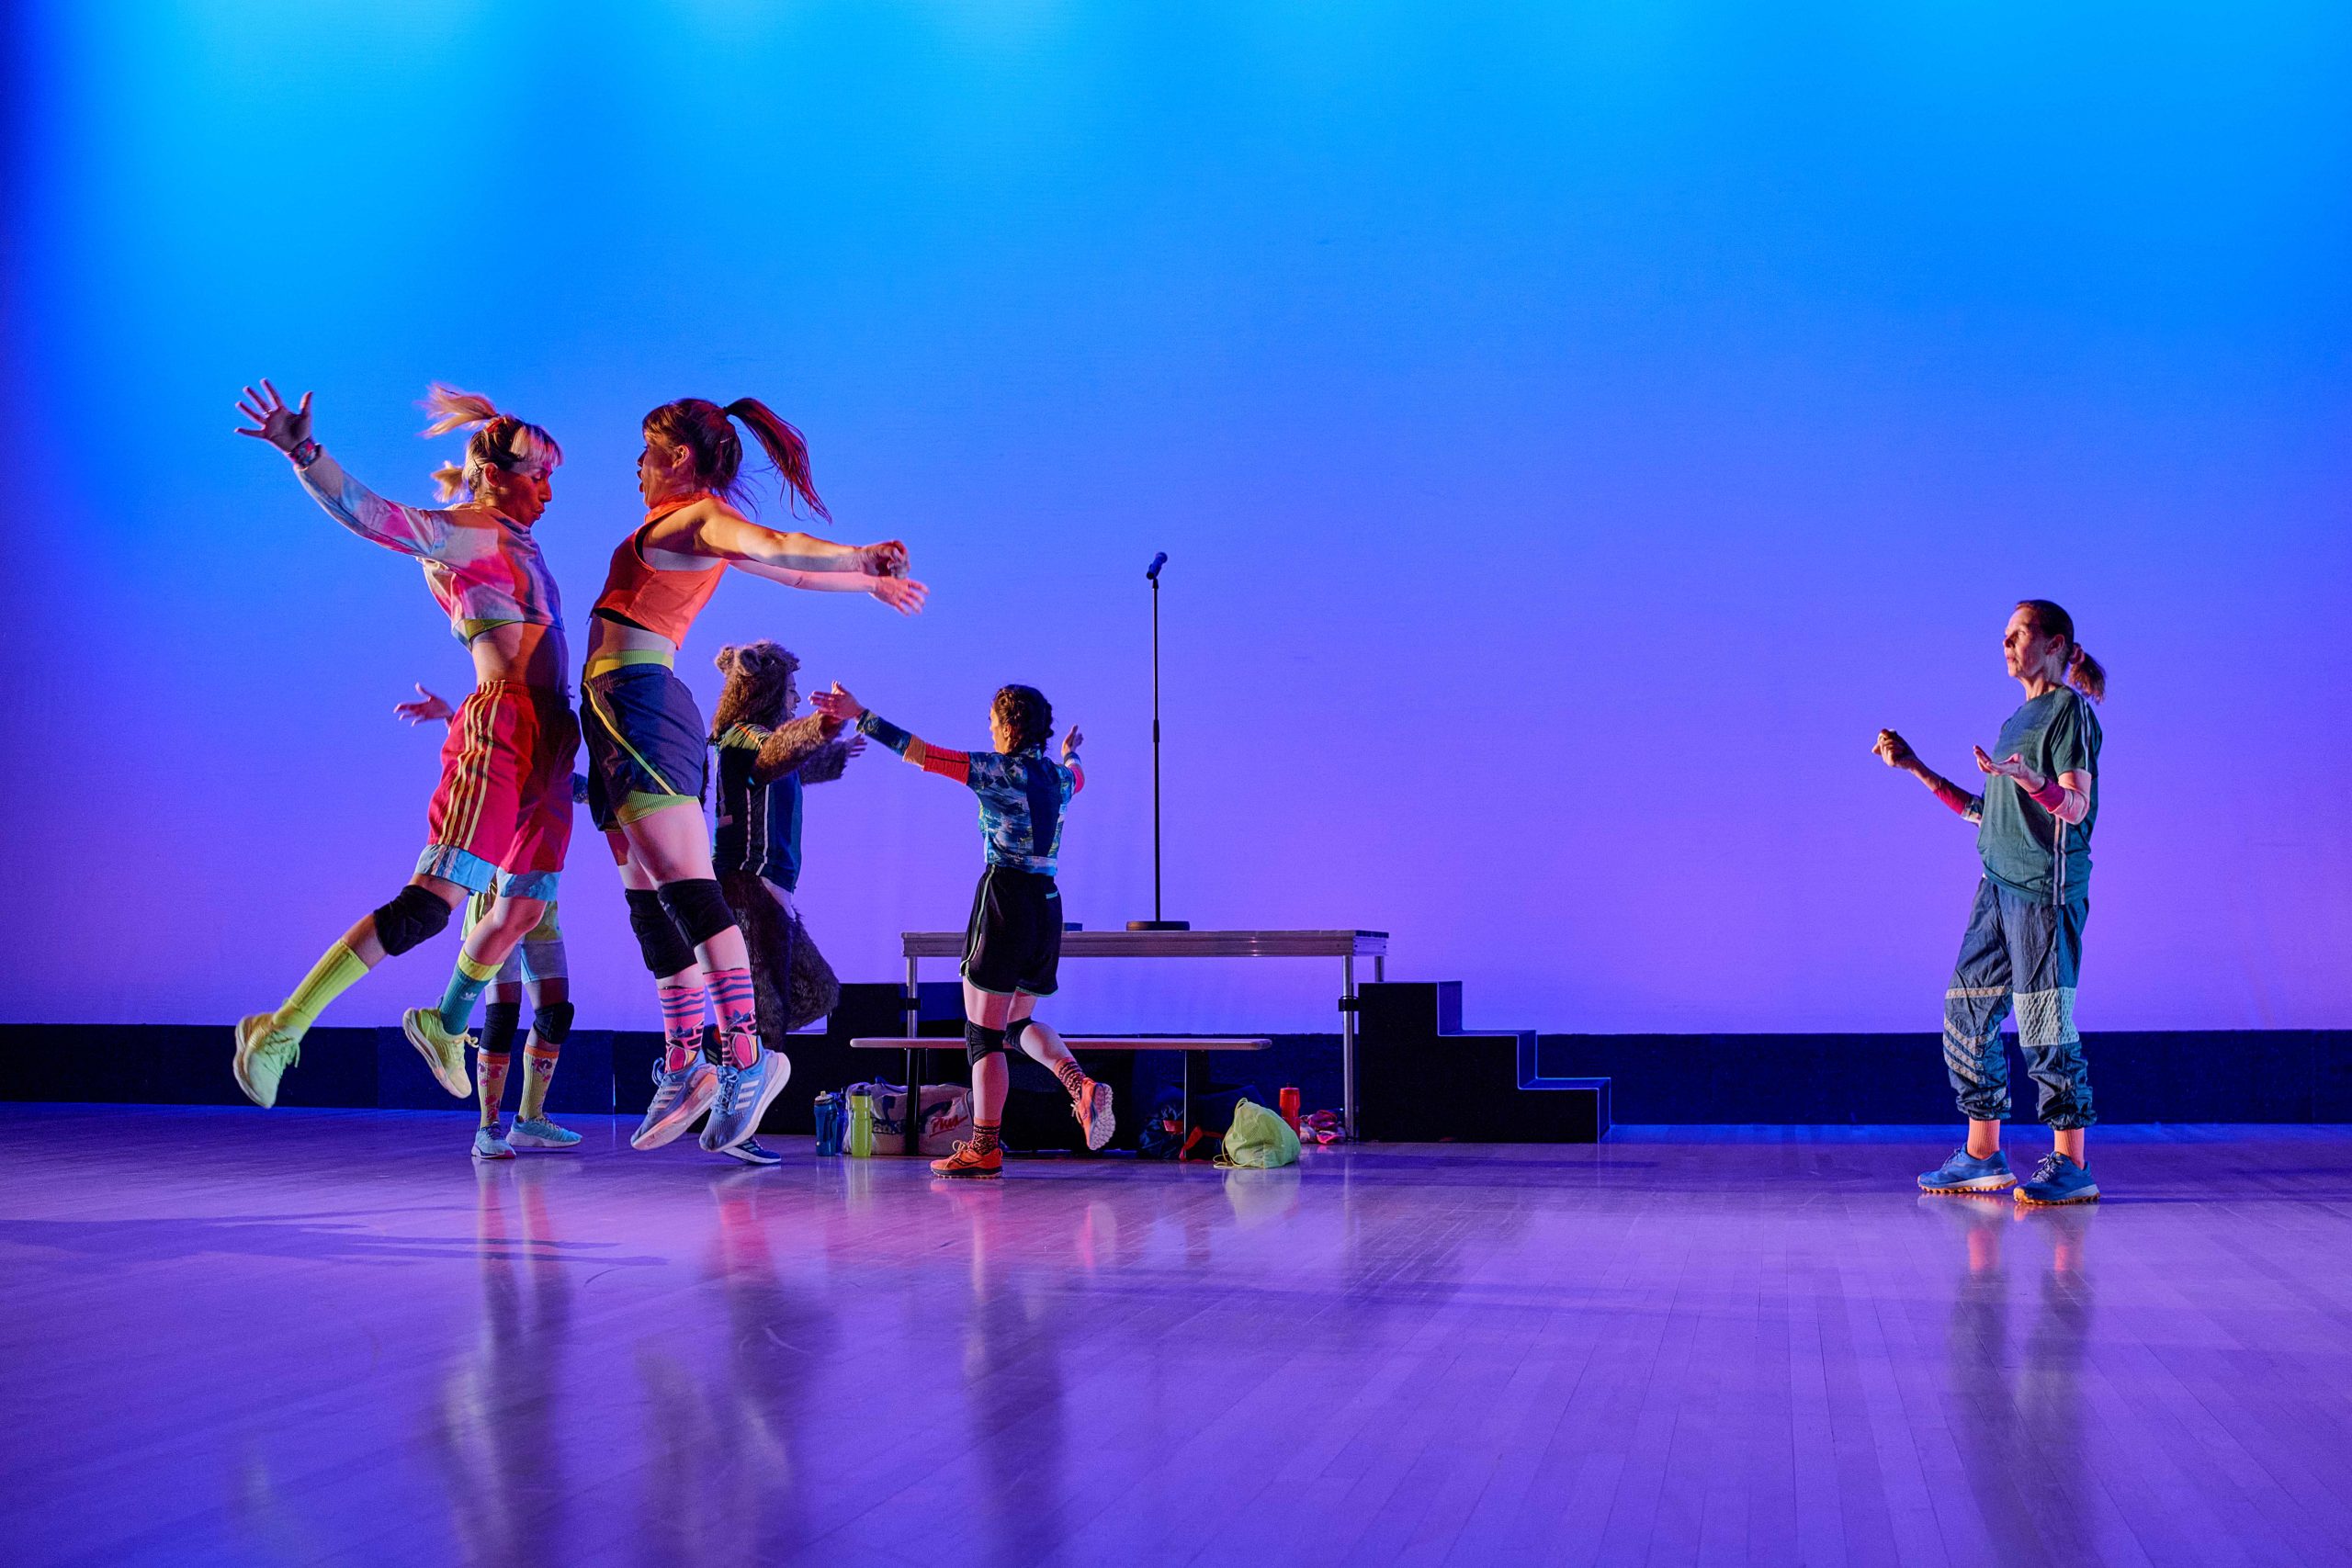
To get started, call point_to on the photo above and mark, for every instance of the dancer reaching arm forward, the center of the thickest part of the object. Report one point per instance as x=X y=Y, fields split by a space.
x=501 y=819
x=766 y=757
x=647 y=744
x=2025 y=934
x=1013 y=944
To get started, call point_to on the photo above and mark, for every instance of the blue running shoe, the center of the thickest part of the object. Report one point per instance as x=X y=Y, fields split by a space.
x=750 y=1151
x=538 y=1132
x=2056 y=1180
x=488 y=1144
x=678 y=1098
x=1964 y=1173
x=744 y=1095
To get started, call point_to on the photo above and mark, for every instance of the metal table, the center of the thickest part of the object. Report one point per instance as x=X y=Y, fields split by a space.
x=1345 y=946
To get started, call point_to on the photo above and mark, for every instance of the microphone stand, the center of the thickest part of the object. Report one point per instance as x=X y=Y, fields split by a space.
x=1156 y=923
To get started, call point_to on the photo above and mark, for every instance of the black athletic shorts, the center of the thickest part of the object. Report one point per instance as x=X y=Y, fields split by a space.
x=1014 y=942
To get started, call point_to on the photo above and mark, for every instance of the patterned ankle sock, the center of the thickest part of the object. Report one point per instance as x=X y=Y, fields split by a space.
x=539 y=1058
x=984 y=1136
x=1073 y=1077
x=490 y=1078
x=682 y=1011
x=333 y=975
x=468 y=981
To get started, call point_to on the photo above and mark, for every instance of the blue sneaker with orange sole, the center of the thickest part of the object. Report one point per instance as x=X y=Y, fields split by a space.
x=1965 y=1174
x=2056 y=1181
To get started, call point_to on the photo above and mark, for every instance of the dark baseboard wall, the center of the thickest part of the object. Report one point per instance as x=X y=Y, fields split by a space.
x=2137 y=1077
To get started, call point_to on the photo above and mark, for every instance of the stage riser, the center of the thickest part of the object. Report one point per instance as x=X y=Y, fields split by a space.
x=2291 y=1076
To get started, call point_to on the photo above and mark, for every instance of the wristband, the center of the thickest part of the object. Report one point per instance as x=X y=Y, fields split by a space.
x=304 y=452
x=2049 y=797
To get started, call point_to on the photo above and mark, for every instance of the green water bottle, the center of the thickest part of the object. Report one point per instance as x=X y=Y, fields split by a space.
x=861 y=1126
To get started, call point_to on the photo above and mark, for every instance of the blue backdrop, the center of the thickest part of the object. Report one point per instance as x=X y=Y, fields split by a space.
x=1575 y=427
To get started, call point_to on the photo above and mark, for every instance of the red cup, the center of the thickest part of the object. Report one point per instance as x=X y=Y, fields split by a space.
x=1290 y=1108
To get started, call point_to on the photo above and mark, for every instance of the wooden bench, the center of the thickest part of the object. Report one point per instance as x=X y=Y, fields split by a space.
x=1188 y=1044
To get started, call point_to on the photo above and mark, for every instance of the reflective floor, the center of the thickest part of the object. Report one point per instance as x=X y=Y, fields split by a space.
x=229 y=1337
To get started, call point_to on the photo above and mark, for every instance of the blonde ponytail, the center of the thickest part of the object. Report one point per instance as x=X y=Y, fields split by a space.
x=499 y=440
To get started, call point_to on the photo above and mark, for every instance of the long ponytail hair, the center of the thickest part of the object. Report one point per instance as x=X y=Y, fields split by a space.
x=706 y=431
x=499 y=441
x=2086 y=674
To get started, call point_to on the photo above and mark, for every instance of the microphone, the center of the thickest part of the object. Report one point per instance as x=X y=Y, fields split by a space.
x=1152 y=571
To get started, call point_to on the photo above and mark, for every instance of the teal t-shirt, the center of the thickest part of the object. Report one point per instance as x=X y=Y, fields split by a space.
x=2055 y=733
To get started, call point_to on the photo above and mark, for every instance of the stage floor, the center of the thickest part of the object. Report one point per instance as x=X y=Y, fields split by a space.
x=229 y=1337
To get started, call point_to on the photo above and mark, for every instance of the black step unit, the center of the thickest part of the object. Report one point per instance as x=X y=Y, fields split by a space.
x=1421 y=1078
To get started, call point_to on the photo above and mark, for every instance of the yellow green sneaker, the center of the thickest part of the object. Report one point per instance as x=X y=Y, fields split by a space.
x=442 y=1052
x=264 y=1052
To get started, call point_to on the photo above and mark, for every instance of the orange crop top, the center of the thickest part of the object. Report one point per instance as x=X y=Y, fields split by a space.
x=660 y=601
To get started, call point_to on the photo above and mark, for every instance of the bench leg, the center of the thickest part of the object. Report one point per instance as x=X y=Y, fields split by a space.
x=913 y=1118
x=1348 y=1049
x=1184 y=1130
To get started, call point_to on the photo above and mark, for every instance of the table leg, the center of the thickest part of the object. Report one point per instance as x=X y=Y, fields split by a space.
x=1379 y=968
x=1347 y=1048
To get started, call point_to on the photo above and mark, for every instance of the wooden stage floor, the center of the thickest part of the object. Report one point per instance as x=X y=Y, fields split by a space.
x=229 y=1337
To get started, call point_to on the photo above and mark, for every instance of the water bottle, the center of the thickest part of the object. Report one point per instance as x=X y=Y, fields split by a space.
x=1290 y=1108
x=828 y=1122
x=861 y=1126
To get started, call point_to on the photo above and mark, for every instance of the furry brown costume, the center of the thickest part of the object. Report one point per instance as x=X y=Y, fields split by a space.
x=792 y=984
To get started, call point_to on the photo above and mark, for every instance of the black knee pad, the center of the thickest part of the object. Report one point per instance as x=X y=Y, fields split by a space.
x=552 y=1021
x=981 y=1041
x=698 y=908
x=414 y=917
x=1013 y=1031
x=666 y=951
x=500 y=1021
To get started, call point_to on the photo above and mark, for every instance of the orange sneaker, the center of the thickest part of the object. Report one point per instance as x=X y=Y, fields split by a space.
x=970 y=1162
x=1092 y=1105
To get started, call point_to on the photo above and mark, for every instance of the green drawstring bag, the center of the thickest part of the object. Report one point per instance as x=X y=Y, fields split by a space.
x=1259 y=1140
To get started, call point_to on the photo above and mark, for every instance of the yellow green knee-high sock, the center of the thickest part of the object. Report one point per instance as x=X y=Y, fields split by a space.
x=499 y=1022
x=332 y=976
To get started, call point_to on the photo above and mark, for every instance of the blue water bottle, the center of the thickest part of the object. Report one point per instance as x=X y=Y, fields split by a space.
x=828 y=1122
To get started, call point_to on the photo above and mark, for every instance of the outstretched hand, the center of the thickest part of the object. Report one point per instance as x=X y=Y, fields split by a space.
x=284 y=428
x=424 y=708
x=903 y=594
x=838 y=703
x=2016 y=767
x=1894 y=749
x=887 y=559
x=1071 y=742
x=855 y=748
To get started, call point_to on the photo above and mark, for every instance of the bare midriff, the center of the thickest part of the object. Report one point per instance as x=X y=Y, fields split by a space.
x=607 y=637
x=524 y=653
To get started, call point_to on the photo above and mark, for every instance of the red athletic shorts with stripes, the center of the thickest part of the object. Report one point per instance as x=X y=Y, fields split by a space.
x=504 y=801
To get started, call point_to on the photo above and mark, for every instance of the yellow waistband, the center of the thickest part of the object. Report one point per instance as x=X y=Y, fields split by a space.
x=606 y=663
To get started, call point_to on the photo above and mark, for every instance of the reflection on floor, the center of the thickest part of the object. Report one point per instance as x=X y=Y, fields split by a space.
x=237 y=1338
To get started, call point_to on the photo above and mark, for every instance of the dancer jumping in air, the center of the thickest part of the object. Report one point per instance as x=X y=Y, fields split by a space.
x=1012 y=944
x=537 y=965
x=2025 y=935
x=647 y=744
x=500 y=818
x=766 y=757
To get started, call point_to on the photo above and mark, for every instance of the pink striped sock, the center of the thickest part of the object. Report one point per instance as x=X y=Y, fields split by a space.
x=731 y=993
x=682 y=1012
